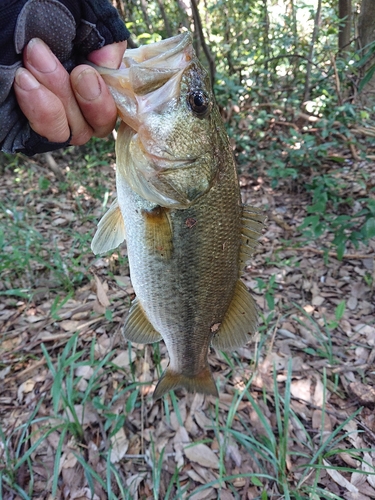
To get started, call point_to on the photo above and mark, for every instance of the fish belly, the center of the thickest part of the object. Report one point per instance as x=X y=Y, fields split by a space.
x=186 y=293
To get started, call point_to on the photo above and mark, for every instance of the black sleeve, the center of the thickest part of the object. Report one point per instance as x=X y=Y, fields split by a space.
x=71 y=28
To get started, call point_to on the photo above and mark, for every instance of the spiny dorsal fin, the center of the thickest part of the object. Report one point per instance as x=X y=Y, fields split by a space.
x=203 y=383
x=240 y=321
x=158 y=227
x=110 y=232
x=252 y=223
x=137 y=327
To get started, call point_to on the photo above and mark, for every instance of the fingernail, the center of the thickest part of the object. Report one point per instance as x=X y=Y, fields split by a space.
x=40 y=56
x=25 y=80
x=87 y=85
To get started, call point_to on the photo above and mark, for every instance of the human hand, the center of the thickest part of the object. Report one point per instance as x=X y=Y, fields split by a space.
x=59 y=105
x=59 y=109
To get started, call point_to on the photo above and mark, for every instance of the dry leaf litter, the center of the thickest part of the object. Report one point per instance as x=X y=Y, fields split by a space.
x=332 y=369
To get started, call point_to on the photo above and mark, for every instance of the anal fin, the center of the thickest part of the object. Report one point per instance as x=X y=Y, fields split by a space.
x=137 y=327
x=158 y=227
x=240 y=321
x=203 y=383
x=110 y=232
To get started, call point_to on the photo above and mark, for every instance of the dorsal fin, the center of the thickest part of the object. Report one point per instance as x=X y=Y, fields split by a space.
x=252 y=223
x=110 y=232
x=137 y=327
x=240 y=321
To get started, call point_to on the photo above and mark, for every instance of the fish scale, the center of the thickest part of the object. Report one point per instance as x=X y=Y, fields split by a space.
x=178 y=201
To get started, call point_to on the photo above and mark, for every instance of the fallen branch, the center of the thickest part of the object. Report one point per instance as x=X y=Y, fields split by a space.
x=286 y=124
x=351 y=146
x=368 y=131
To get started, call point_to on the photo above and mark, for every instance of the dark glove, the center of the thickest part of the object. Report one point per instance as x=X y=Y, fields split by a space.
x=71 y=28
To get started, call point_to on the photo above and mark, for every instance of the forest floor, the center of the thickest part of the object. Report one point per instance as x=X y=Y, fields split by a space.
x=296 y=413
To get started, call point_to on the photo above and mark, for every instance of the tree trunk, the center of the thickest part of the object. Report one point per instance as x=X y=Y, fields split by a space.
x=185 y=14
x=227 y=39
x=266 y=25
x=167 y=26
x=365 y=43
x=206 y=50
x=306 y=93
x=345 y=14
x=293 y=15
x=366 y=23
x=146 y=19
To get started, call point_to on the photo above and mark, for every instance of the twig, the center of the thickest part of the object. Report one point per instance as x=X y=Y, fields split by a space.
x=351 y=146
x=273 y=335
x=337 y=80
x=29 y=368
x=283 y=56
x=367 y=430
x=371 y=357
x=308 y=403
x=368 y=131
x=350 y=367
x=354 y=152
x=54 y=167
x=82 y=329
x=106 y=441
x=349 y=256
x=281 y=223
x=143 y=410
x=308 y=118
x=286 y=124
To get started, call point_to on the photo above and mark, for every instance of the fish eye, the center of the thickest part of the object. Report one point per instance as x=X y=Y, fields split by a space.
x=199 y=102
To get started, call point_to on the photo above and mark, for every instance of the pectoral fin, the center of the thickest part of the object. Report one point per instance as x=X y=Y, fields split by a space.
x=252 y=223
x=137 y=327
x=158 y=227
x=240 y=321
x=202 y=382
x=110 y=232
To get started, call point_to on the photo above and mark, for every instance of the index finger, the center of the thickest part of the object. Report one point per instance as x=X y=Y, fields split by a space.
x=48 y=70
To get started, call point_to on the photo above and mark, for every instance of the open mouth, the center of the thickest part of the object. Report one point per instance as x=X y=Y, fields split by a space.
x=171 y=163
x=166 y=160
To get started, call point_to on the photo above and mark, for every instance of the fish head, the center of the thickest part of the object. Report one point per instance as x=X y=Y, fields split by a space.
x=167 y=145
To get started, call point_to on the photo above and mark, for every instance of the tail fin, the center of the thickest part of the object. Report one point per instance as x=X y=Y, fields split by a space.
x=203 y=383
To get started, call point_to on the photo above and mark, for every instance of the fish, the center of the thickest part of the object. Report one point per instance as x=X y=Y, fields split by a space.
x=179 y=208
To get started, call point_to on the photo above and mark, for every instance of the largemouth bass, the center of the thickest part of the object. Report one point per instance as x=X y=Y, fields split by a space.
x=179 y=208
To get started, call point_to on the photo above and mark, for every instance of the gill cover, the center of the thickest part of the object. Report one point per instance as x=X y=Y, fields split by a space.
x=148 y=90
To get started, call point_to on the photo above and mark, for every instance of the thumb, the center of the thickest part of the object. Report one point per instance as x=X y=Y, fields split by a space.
x=109 y=56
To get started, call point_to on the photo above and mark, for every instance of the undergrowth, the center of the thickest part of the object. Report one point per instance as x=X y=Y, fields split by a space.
x=273 y=450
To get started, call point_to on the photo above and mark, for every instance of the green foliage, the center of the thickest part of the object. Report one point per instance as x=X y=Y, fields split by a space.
x=272 y=449
x=70 y=401
x=327 y=201
x=24 y=249
x=262 y=53
x=269 y=289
